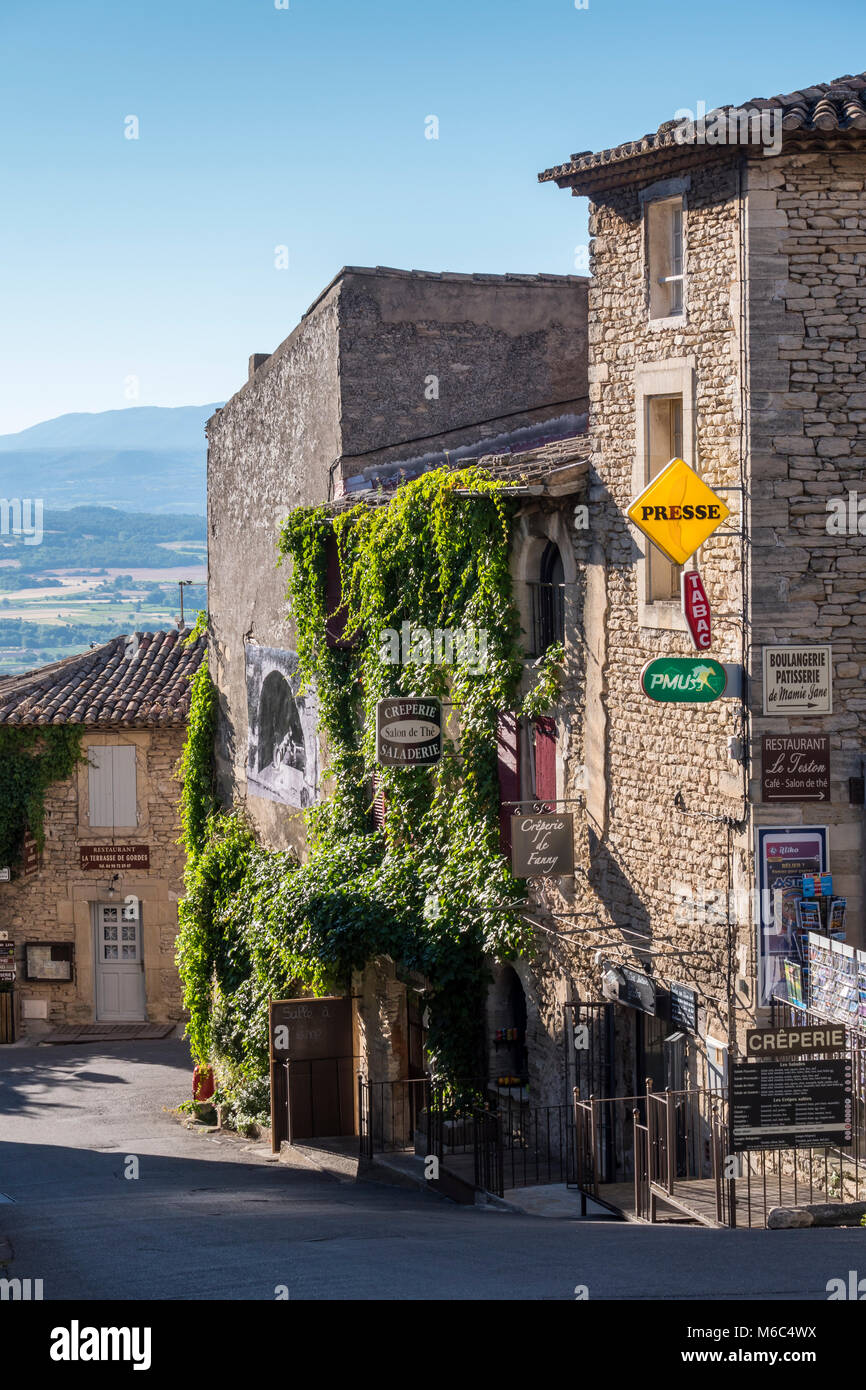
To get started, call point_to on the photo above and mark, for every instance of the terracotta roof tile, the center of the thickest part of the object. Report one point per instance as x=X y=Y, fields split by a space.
x=836 y=107
x=135 y=681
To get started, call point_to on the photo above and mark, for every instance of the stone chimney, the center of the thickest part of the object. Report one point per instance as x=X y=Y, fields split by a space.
x=256 y=361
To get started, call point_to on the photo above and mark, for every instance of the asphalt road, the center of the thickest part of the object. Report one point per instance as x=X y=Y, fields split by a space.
x=209 y=1217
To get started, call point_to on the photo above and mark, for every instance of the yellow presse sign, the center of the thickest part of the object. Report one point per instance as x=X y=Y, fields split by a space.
x=677 y=511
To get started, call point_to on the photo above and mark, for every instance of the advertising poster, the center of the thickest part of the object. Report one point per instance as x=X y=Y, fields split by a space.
x=282 y=752
x=783 y=854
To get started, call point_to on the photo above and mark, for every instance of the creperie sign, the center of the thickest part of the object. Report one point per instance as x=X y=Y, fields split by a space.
x=696 y=607
x=787 y=1042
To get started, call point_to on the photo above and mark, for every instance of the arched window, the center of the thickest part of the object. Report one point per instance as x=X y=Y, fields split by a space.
x=548 y=606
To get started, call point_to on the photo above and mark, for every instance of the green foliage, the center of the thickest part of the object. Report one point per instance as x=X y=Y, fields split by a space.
x=31 y=759
x=432 y=891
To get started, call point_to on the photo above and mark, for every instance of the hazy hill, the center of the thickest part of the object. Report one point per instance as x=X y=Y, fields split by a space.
x=144 y=458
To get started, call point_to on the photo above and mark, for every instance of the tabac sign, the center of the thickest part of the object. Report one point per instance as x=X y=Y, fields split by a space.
x=677 y=511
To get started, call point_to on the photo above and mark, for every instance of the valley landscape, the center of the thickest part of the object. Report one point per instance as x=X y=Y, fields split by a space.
x=120 y=501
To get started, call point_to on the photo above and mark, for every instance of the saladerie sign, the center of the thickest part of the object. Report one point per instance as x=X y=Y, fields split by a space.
x=542 y=844
x=408 y=732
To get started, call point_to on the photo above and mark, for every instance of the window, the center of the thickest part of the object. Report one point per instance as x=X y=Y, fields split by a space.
x=112 y=785
x=717 y=1065
x=664 y=441
x=527 y=765
x=665 y=258
x=548 y=601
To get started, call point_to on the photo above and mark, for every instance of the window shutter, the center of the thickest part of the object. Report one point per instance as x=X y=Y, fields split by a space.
x=100 y=785
x=125 y=807
x=380 y=805
x=508 y=757
x=112 y=786
x=544 y=732
x=335 y=624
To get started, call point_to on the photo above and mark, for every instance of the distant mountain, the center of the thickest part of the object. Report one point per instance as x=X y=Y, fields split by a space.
x=145 y=458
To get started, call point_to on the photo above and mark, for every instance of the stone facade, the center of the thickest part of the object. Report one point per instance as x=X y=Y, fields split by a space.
x=386 y=366
x=57 y=902
x=387 y=371
x=770 y=364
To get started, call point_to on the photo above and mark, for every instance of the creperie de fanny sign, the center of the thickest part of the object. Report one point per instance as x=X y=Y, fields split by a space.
x=677 y=511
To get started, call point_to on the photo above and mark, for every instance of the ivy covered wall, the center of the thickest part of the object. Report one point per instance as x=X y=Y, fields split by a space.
x=430 y=889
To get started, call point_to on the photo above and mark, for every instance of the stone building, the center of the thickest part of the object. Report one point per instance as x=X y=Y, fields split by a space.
x=93 y=920
x=388 y=367
x=727 y=317
x=389 y=373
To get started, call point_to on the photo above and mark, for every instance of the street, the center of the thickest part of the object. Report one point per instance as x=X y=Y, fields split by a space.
x=209 y=1217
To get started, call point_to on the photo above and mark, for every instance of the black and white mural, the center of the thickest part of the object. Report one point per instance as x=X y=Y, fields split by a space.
x=282 y=757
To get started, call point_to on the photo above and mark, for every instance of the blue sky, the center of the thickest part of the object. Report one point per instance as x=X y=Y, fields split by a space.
x=153 y=259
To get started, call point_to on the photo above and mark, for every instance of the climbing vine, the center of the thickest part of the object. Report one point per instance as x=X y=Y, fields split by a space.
x=31 y=760
x=430 y=889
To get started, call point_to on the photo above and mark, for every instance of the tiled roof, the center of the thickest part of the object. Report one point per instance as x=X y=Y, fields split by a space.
x=551 y=468
x=135 y=681
x=829 y=108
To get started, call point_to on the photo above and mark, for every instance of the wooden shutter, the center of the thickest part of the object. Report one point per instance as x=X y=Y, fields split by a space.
x=544 y=733
x=100 y=785
x=335 y=624
x=112 y=785
x=380 y=805
x=508 y=757
x=123 y=783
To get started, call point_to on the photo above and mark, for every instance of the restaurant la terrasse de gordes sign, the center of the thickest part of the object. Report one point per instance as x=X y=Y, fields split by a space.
x=677 y=511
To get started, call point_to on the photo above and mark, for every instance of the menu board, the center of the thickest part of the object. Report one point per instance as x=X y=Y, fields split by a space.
x=48 y=960
x=796 y=1104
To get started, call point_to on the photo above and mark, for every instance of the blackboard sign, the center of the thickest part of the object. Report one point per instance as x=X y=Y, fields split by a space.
x=311 y=1029
x=786 y=1105
x=638 y=991
x=408 y=731
x=542 y=845
x=684 y=1007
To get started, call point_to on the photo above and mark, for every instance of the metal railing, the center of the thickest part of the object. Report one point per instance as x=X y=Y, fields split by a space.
x=390 y=1113
x=667 y=1144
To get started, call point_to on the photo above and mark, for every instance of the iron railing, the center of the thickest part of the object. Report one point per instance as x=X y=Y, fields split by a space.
x=547 y=615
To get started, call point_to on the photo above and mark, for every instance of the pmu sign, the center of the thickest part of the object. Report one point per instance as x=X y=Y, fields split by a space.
x=677 y=511
x=684 y=680
x=696 y=607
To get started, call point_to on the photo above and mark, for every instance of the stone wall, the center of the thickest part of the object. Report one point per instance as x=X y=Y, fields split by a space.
x=807 y=310
x=387 y=364
x=54 y=904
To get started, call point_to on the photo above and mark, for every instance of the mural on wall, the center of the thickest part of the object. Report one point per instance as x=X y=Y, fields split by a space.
x=282 y=755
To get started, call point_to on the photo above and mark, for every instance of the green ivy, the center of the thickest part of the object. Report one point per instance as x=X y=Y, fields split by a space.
x=432 y=890
x=31 y=759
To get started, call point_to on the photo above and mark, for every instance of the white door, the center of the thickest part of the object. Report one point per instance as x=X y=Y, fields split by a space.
x=119 y=963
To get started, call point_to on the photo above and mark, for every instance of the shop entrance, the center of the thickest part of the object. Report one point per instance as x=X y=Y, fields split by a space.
x=119 y=963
